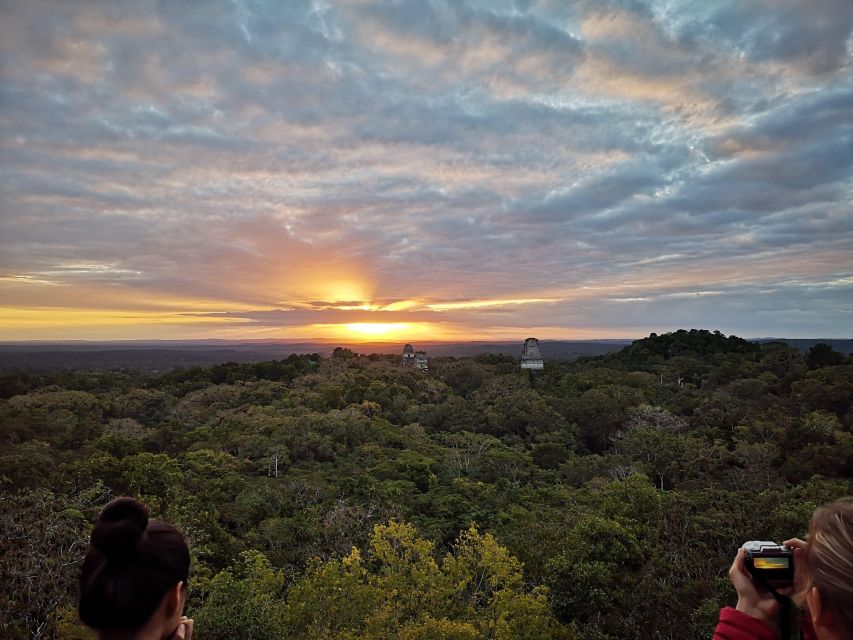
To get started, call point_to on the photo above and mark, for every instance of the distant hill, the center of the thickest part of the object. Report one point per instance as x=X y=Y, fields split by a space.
x=166 y=354
x=557 y=349
x=163 y=355
x=91 y=356
x=804 y=344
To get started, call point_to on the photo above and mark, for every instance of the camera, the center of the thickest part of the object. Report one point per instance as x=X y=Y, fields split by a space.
x=769 y=564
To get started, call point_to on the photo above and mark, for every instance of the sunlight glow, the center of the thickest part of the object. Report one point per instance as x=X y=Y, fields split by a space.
x=62 y=323
x=343 y=290
x=65 y=317
x=383 y=329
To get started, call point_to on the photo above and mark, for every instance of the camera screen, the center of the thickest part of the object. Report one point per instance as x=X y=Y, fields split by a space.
x=770 y=563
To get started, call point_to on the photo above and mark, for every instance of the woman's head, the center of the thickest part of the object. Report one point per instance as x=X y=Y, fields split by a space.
x=135 y=568
x=827 y=567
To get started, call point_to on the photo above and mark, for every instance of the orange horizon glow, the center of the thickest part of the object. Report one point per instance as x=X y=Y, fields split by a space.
x=331 y=309
x=372 y=331
x=342 y=317
x=79 y=324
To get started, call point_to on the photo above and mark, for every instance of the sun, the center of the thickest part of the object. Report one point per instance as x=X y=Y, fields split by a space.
x=381 y=331
x=377 y=329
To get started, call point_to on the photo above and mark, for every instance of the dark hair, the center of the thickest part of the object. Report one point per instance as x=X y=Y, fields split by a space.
x=132 y=562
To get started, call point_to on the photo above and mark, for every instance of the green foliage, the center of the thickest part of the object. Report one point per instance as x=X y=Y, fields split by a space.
x=342 y=353
x=601 y=411
x=693 y=343
x=399 y=589
x=602 y=490
x=822 y=355
x=244 y=603
x=42 y=537
x=591 y=578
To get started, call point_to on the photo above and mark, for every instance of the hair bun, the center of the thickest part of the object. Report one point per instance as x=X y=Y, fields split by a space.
x=119 y=527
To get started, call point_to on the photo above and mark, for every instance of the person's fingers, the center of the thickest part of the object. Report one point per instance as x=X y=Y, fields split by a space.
x=180 y=632
x=185 y=629
x=738 y=567
x=737 y=563
x=795 y=543
x=738 y=575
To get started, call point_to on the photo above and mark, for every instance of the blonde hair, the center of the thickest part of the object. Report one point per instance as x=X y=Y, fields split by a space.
x=827 y=561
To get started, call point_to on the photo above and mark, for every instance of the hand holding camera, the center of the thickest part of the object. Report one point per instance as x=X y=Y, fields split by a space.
x=760 y=568
x=769 y=564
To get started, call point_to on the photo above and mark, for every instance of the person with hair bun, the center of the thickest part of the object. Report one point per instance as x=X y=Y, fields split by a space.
x=133 y=582
x=823 y=584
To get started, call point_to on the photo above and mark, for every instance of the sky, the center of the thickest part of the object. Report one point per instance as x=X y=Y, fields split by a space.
x=424 y=169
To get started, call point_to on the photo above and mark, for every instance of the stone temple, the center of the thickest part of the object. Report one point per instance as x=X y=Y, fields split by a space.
x=531 y=357
x=421 y=361
x=408 y=356
x=416 y=359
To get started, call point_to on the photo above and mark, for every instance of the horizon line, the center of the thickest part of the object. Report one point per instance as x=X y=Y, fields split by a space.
x=327 y=342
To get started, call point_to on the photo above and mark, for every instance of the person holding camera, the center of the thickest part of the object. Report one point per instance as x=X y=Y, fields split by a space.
x=133 y=582
x=822 y=582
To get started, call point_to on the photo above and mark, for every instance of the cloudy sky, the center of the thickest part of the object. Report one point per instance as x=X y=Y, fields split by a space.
x=425 y=169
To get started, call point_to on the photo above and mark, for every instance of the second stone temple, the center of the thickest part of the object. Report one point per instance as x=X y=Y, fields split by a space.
x=531 y=356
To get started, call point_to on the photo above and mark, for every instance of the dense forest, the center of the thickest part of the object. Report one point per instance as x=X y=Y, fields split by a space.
x=347 y=497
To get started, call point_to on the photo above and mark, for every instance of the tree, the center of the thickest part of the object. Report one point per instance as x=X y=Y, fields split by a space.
x=464 y=451
x=829 y=389
x=590 y=581
x=154 y=477
x=244 y=602
x=671 y=458
x=524 y=414
x=30 y=464
x=400 y=590
x=601 y=412
x=43 y=537
x=822 y=355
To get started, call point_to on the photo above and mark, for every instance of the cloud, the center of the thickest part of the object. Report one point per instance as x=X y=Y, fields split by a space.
x=454 y=43
x=279 y=165
x=811 y=35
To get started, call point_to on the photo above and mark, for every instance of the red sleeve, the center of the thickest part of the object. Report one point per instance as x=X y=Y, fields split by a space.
x=805 y=622
x=735 y=625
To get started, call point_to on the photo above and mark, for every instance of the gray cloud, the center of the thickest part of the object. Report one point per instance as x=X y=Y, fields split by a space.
x=813 y=35
x=609 y=156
